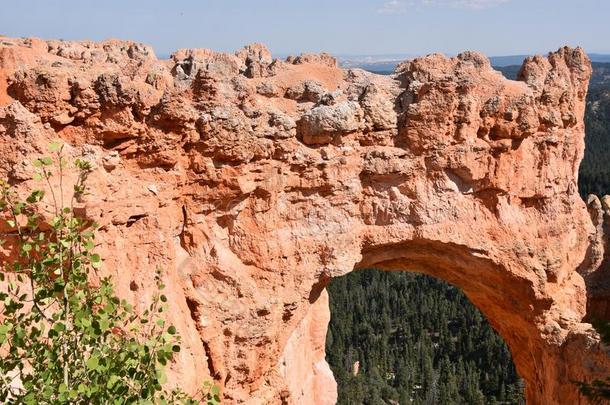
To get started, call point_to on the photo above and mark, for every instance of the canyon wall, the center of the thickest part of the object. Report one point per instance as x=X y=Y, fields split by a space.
x=253 y=182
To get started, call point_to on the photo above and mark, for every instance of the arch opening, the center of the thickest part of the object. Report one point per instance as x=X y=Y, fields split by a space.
x=505 y=297
x=408 y=338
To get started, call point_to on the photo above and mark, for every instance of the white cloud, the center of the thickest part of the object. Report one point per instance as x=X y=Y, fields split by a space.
x=394 y=7
x=401 y=6
x=473 y=4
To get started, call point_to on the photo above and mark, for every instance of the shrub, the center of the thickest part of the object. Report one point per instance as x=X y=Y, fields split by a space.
x=62 y=339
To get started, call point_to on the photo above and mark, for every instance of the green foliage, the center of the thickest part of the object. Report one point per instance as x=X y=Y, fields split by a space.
x=603 y=328
x=418 y=341
x=594 y=172
x=598 y=392
x=62 y=339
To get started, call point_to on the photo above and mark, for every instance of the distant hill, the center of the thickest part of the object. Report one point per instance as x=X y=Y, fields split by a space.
x=387 y=63
x=598 y=57
x=507 y=60
x=601 y=75
x=378 y=67
x=510 y=72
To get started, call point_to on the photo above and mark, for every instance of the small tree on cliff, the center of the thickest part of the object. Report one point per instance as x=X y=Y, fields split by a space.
x=63 y=340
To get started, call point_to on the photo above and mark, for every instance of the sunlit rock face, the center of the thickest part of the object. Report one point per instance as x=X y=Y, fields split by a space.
x=254 y=181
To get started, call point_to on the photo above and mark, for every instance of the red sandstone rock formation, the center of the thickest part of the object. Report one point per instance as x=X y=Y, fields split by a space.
x=254 y=181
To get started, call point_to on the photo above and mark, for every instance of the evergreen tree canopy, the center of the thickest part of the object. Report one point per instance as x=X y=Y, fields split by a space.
x=417 y=340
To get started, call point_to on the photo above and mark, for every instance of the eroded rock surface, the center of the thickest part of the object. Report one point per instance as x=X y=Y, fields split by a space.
x=254 y=181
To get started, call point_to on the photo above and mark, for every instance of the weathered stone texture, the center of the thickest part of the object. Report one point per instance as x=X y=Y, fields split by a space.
x=254 y=181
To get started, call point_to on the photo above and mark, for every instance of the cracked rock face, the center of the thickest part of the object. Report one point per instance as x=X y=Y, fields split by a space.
x=253 y=182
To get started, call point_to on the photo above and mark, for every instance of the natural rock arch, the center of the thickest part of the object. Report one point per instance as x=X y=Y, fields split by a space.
x=254 y=181
x=502 y=297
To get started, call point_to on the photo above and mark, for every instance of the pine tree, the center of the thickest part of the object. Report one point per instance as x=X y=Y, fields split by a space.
x=417 y=339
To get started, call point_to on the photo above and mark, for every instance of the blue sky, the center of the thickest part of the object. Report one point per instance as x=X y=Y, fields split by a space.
x=342 y=27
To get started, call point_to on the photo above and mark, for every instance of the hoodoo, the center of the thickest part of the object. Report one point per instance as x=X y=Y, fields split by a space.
x=254 y=181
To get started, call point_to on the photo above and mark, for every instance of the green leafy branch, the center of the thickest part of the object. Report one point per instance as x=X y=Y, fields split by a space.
x=62 y=339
